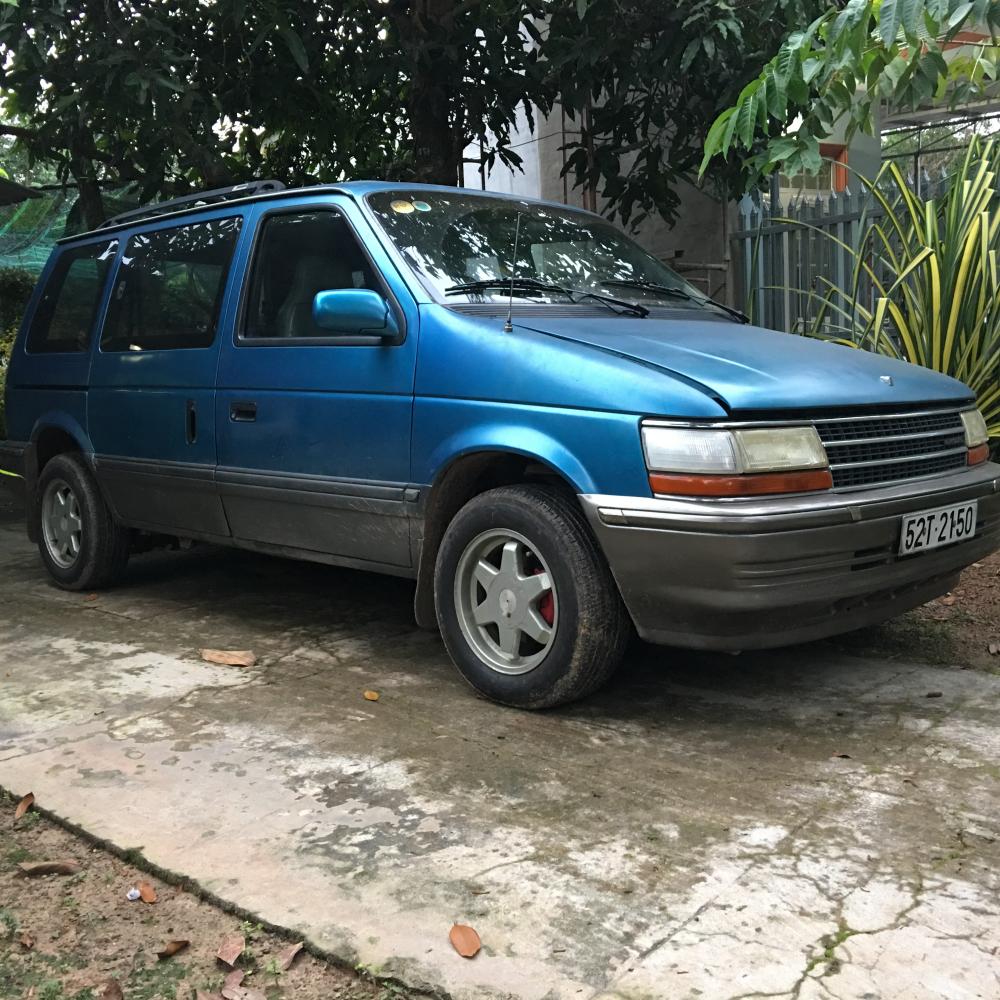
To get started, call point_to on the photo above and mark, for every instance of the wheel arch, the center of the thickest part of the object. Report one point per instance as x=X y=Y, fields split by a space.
x=469 y=473
x=54 y=434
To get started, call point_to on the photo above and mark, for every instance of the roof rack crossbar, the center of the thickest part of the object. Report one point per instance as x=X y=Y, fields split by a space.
x=194 y=200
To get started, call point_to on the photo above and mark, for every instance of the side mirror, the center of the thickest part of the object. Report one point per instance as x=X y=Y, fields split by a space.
x=354 y=312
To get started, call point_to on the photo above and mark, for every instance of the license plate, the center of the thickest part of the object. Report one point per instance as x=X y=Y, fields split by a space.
x=931 y=529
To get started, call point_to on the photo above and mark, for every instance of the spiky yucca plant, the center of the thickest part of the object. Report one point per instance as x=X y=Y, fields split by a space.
x=925 y=282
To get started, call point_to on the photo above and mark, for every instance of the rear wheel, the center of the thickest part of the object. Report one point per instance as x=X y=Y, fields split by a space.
x=527 y=607
x=81 y=544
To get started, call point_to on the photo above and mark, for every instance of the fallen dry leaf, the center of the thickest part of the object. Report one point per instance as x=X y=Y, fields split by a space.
x=25 y=940
x=465 y=941
x=947 y=601
x=146 y=892
x=229 y=657
x=994 y=648
x=371 y=696
x=202 y=995
x=24 y=805
x=242 y=993
x=33 y=868
x=286 y=956
x=171 y=948
x=233 y=978
x=231 y=948
x=110 y=991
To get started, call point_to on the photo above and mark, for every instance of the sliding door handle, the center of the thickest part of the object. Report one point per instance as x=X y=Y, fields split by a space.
x=243 y=412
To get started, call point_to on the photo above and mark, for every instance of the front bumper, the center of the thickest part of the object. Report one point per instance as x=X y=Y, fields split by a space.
x=752 y=574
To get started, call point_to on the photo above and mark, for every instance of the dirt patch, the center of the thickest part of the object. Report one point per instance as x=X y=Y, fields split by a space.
x=62 y=937
x=957 y=629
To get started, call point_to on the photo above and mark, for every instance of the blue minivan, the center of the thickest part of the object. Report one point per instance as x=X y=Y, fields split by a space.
x=506 y=400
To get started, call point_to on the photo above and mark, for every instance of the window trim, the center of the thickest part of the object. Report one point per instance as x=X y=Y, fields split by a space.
x=239 y=337
x=124 y=242
x=97 y=314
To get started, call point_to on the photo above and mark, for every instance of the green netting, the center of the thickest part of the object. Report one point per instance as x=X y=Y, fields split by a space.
x=29 y=230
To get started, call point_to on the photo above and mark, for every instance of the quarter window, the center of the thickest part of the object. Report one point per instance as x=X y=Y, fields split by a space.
x=169 y=288
x=298 y=255
x=66 y=313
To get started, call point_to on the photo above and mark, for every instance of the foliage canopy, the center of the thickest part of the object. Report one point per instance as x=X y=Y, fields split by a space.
x=170 y=95
x=854 y=55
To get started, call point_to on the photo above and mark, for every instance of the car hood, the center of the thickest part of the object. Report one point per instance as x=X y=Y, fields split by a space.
x=752 y=369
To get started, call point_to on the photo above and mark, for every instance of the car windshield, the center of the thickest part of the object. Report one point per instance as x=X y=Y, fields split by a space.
x=462 y=245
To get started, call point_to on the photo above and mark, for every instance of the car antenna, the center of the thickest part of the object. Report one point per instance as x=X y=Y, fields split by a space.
x=508 y=327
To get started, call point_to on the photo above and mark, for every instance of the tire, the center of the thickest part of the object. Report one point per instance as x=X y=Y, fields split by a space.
x=520 y=533
x=68 y=499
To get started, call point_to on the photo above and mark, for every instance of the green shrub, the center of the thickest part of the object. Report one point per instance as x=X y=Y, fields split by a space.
x=934 y=265
x=15 y=290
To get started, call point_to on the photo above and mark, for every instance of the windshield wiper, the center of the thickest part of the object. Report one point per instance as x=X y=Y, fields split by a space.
x=529 y=285
x=618 y=305
x=677 y=293
x=518 y=284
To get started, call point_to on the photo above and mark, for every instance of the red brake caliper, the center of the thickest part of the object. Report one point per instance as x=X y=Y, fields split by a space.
x=547 y=605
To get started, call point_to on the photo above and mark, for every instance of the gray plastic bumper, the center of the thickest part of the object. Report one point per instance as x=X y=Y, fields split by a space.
x=746 y=574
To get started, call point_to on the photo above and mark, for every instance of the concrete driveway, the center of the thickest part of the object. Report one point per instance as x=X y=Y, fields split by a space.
x=796 y=824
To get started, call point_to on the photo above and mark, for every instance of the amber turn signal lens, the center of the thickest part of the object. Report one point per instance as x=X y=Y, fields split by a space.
x=760 y=484
x=979 y=455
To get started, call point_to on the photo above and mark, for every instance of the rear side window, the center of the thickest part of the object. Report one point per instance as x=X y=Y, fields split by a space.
x=169 y=288
x=66 y=313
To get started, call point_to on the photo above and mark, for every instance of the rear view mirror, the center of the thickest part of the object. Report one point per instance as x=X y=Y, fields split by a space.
x=354 y=312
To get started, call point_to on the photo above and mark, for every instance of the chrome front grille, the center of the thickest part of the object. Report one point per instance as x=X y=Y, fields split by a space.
x=878 y=450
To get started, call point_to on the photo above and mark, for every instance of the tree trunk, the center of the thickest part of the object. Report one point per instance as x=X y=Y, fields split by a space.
x=91 y=201
x=435 y=158
x=437 y=148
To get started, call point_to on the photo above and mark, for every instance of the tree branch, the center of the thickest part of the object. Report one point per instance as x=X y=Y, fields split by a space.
x=17 y=132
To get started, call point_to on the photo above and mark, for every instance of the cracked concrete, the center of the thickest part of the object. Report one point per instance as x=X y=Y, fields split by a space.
x=798 y=824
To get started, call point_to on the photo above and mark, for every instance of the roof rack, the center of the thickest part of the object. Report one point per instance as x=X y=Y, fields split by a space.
x=194 y=201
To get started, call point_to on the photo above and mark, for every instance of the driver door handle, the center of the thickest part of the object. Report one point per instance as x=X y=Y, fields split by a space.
x=243 y=412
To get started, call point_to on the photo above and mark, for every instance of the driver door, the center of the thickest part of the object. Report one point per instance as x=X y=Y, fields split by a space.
x=313 y=429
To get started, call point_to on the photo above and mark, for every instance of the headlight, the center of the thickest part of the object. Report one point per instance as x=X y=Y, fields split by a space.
x=976 y=436
x=696 y=461
x=975 y=428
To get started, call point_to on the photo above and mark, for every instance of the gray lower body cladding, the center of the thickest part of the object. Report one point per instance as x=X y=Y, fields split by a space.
x=753 y=574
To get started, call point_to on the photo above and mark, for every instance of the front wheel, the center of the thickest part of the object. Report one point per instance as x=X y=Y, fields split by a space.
x=528 y=609
x=81 y=544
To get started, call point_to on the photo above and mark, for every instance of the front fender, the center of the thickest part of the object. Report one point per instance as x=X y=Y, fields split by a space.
x=586 y=447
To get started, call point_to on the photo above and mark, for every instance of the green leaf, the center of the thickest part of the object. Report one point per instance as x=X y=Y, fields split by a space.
x=296 y=48
x=958 y=16
x=910 y=17
x=745 y=119
x=888 y=21
x=690 y=51
x=811 y=69
x=714 y=144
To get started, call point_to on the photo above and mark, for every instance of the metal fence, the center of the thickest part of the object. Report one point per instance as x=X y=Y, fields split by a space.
x=784 y=260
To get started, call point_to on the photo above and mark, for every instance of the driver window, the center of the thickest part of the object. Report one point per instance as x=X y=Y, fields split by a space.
x=299 y=255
